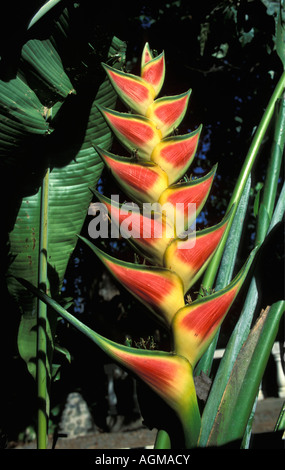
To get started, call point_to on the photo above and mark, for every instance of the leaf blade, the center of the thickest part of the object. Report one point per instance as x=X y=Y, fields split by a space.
x=69 y=197
x=243 y=384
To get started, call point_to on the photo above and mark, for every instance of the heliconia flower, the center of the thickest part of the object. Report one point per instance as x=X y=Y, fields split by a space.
x=134 y=91
x=190 y=262
x=168 y=112
x=195 y=325
x=153 y=72
x=142 y=181
x=137 y=133
x=181 y=196
x=151 y=175
x=175 y=154
x=149 y=232
x=159 y=289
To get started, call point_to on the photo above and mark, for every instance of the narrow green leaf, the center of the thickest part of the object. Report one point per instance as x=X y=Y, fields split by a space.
x=280 y=424
x=60 y=349
x=273 y=172
x=43 y=11
x=243 y=384
x=279 y=210
x=226 y=269
x=247 y=434
x=252 y=154
x=237 y=339
x=242 y=328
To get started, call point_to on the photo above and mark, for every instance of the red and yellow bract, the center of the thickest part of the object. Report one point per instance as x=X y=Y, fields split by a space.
x=158 y=288
x=150 y=232
x=168 y=112
x=153 y=72
x=141 y=181
x=134 y=91
x=137 y=133
x=153 y=68
x=182 y=196
x=191 y=262
x=169 y=375
x=175 y=154
x=195 y=325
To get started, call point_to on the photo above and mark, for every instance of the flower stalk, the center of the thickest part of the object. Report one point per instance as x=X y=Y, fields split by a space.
x=42 y=374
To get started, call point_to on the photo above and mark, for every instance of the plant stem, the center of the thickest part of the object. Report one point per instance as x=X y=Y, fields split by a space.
x=162 y=440
x=42 y=323
x=252 y=154
x=191 y=422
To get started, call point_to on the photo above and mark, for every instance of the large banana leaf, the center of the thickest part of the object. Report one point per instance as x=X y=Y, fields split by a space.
x=63 y=142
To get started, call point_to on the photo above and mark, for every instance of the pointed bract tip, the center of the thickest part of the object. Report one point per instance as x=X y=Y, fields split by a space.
x=195 y=325
x=168 y=112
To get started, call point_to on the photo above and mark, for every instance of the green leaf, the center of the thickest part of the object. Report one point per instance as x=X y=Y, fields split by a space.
x=68 y=201
x=203 y=37
x=42 y=66
x=279 y=209
x=243 y=385
x=273 y=172
x=64 y=351
x=246 y=36
x=209 y=277
x=222 y=51
x=234 y=345
x=55 y=372
x=280 y=33
x=227 y=267
x=22 y=116
x=43 y=11
x=237 y=339
x=280 y=424
x=277 y=10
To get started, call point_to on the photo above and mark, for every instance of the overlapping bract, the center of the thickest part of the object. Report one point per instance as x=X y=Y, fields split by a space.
x=176 y=259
